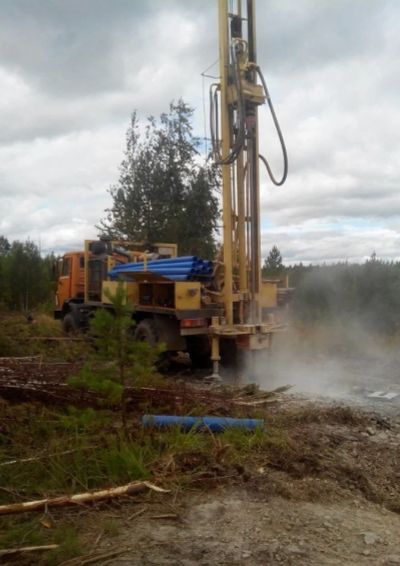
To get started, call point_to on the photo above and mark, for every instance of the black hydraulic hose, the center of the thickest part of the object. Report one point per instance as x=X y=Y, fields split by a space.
x=214 y=122
x=280 y=135
x=240 y=108
x=213 y=109
x=214 y=119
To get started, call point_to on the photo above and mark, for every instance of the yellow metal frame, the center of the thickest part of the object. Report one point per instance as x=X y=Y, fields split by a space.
x=127 y=245
x=226 y=169
x=236 y=245
x=244 y=295
x=240 y=181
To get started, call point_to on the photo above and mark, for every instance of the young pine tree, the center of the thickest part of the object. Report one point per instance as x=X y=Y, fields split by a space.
x=273 y=265
x=126 y=362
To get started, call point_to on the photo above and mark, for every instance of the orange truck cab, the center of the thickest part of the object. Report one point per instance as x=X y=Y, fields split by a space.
x=71 y=280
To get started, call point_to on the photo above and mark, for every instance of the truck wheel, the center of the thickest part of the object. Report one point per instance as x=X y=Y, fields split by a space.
x=69 y=324
x=199 y=350
x=145 y=331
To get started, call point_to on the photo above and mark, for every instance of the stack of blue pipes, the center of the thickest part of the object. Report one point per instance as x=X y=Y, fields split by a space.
x=185 y=268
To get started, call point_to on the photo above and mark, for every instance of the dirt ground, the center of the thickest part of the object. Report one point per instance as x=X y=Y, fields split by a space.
x=338 y=505
x=338 y=511
x=243 y=526
x=328 y=495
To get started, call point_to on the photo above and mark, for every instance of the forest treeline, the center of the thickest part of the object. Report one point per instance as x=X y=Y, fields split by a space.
x=26 y=277
x=367 y=293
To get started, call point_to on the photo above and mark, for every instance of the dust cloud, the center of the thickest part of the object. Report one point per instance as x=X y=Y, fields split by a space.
x=343 y=333
x=334 y=360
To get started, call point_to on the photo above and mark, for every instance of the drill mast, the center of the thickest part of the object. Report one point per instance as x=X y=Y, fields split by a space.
x=234 y=106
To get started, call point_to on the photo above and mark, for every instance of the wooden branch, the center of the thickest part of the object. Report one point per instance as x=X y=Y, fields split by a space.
x=80 y=498
x=19 y=358
x=41 y=457
x=15 y=551
x=94 y=557
x=57 y=338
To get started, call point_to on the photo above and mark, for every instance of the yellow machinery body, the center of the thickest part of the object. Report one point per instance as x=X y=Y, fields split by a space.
x=186 y=315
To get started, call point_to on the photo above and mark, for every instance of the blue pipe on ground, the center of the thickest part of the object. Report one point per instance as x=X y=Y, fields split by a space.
x=215 y=424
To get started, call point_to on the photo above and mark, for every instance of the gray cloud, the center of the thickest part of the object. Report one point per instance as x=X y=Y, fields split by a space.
x=309 y=34
x=86 y=48
x=72 y=72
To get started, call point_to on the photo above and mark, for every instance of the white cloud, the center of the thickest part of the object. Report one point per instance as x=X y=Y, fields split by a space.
x=60 y=191
x=312 y=242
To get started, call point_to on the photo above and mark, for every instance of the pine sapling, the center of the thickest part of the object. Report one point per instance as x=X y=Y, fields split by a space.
x=118 y=361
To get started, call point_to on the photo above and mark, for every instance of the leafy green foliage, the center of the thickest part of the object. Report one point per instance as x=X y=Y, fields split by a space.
x=163 y=193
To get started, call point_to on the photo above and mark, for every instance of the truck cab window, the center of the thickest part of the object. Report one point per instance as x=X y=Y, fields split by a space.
x=66 y=266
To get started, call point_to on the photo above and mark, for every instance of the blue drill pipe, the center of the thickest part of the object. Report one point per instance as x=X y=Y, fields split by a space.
x=168 y=261
x=186 y=268
x=184 y=261
x=214 y=424
x=141 y=267
x=162 y=270
x=173 y=277
x=154 y=264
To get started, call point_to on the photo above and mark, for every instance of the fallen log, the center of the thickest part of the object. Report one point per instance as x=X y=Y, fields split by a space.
x=80 y=498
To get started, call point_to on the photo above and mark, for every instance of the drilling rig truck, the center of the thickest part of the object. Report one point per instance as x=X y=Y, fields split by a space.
x=210 y=309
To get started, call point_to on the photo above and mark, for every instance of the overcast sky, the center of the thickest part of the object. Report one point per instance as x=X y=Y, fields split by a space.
x=72 y=71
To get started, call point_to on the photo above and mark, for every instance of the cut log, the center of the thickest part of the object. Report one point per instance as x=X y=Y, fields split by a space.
x=80 y=498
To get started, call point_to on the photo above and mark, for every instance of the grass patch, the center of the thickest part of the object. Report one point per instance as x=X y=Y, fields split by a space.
x=111 y=527
x=77 y=450
x=16 y=532
x=18 y=337
x=74 y=450
x=84 y=450
x=57 y=452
